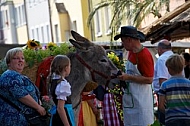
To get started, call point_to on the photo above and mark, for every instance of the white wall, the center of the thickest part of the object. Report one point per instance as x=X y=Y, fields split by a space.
x=38 y=20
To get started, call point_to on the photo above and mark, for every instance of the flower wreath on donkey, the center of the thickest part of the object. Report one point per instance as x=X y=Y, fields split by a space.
x=116 y=91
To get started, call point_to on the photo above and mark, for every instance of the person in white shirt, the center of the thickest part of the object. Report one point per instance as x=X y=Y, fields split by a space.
x=160 y=70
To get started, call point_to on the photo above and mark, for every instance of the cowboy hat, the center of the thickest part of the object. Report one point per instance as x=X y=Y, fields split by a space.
x=130 y=31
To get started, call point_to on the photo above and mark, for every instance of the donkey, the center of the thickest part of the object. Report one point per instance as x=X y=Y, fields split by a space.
x=88 y=62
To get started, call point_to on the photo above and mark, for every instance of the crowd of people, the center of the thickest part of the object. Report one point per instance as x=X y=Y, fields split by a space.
x=168 y=78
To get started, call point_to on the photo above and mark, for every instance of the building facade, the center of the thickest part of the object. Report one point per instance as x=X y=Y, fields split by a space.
x=42 y=20
x=52 y=20
x=103 y=17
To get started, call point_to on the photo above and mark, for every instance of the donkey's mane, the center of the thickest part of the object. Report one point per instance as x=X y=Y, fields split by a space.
x=71 y=55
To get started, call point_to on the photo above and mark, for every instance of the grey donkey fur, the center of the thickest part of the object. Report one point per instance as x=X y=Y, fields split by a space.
x=93 y=55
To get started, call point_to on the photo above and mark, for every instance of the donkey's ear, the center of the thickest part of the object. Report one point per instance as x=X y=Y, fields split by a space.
x=78 y=37
x=83 y=47
x=81 y=42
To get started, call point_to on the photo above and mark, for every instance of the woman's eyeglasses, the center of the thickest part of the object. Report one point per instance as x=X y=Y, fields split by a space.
x=17 y=58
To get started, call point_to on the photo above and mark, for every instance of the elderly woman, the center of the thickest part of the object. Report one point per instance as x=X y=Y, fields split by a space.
x=19 y=90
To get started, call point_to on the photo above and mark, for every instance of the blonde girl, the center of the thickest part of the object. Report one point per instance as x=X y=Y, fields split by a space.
x=60 y=90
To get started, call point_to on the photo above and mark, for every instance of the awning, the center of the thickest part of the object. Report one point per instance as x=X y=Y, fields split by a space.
x=174 y=25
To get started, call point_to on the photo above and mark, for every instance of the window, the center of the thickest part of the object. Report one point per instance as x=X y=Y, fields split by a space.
x=2 y=1
x=48 y=33
x=23 y=15
x=97 y=24
x=32 y=3
x=20 y=15
x=107 y=20
x=75 y=25
x=5 y=20
x=33 y=34
x=37 y=34
x=56 y=34
x=42 y=34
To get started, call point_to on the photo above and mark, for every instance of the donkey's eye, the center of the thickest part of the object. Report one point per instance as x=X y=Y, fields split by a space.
x=103 y=60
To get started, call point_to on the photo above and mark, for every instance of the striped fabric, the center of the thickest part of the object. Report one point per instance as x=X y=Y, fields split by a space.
x=109 y=111
x=177 y=92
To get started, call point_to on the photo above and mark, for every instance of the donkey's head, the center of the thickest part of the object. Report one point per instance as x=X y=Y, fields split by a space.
x=91 y=59
x=89 y=62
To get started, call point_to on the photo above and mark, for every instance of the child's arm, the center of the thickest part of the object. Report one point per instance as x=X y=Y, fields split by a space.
x=162 y=103
x=62 y=113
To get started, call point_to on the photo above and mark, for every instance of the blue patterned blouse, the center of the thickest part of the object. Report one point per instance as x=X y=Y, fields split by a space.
x=14 y=86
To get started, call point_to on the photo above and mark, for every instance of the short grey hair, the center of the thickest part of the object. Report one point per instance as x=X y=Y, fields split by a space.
x=11 y=53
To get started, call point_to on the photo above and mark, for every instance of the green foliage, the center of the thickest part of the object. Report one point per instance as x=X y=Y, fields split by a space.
x=134 y=11
x=32 y=56
x=156 y=123
x=3 y=66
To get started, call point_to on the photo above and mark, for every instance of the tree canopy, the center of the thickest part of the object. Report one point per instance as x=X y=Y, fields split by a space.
x=134 y=11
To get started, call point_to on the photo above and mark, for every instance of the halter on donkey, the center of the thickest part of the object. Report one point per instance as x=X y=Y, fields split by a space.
x=89 y=62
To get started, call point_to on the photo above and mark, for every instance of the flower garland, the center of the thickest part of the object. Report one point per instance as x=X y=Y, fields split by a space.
x=116 y=91
x=117 y=95
x=35 y=53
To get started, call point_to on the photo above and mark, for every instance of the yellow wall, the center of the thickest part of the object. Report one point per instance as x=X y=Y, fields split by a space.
x=64 y=25
x=18 y=1
x=85 y=13
x=77 y=12
x=22 y=34
x=104 y=36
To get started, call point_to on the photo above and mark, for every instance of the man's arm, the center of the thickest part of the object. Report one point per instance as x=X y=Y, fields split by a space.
x=137 y=79
x=161 y=80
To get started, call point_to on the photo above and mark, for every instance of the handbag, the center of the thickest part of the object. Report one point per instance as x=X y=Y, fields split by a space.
x=35 y=119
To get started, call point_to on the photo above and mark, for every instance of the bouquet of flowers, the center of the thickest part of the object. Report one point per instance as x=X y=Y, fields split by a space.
x=47 y=103
x=115 y=59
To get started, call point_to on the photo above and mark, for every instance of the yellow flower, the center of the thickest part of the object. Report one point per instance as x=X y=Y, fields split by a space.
x=51 y=45
x=32 y=44
x=115 y=59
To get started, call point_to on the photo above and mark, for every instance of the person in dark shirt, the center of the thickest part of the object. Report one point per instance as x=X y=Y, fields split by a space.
x=187 y=65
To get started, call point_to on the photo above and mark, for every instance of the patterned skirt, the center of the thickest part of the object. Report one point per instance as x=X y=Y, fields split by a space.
x=110 y=114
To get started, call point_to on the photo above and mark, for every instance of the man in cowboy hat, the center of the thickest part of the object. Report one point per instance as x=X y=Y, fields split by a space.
x=137 y=99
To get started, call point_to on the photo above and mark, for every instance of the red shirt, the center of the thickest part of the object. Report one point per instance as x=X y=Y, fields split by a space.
x=144 y=61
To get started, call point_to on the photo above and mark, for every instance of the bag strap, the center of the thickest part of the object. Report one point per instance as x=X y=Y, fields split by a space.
x=10 y=103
